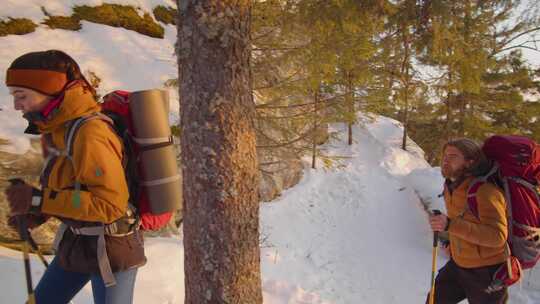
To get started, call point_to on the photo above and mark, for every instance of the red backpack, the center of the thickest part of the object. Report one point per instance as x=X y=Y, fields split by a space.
x=115 y=110
x=517 y=171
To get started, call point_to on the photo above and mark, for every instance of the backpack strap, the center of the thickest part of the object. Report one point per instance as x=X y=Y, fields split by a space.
x=525 y=183
x=508 y=198
x=474 y=186
x=472 y=202
x=74 y=126
x=50 y=159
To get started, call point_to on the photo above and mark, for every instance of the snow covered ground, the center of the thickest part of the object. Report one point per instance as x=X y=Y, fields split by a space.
x=352 y=233
x=360 y=234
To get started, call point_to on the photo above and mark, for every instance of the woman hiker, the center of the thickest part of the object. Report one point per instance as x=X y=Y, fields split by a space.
x=84 y=186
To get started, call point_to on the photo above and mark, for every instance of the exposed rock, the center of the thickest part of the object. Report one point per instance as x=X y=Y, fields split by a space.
x=280 y=170
x=281 y=165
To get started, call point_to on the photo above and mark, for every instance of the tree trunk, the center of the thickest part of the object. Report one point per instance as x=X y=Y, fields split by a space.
x=404 y=139
x=219 y=161
x=315 y=131
x=448 y=104
x=406 y=85
x=462 y=113
x=405 y=113
x=352 y=111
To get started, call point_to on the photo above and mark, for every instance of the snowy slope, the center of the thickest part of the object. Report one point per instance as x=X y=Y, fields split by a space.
x=356 y=235
x=360 y=234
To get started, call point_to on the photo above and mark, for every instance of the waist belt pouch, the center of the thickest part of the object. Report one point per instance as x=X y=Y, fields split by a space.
x=78 y=253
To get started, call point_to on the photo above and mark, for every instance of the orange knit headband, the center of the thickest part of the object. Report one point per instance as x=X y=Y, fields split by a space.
x=44 y=81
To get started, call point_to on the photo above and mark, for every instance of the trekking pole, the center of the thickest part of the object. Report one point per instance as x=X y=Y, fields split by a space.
x=434 y=262
x=23 y=231
x=36 y=250
x=28 y=242
x=25 y=235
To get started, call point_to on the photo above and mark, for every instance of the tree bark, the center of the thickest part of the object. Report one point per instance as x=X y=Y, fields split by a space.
x=219 y=160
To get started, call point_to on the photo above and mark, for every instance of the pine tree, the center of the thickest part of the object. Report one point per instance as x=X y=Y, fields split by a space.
x=467 y=43
x=357 y=25
x=398 y=44
x=322 y=73
x=458 y=44
x=512 y=97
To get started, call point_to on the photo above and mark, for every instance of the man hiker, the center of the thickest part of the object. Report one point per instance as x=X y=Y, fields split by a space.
x=477 y=244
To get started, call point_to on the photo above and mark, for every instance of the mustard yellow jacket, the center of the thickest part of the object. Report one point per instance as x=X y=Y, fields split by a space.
x=477 y=242
x=97 y=164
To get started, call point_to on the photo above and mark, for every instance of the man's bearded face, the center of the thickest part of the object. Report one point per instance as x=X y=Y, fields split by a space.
x=453 y=164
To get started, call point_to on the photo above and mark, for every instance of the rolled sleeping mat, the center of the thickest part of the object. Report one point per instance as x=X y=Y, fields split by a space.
x=149 y=112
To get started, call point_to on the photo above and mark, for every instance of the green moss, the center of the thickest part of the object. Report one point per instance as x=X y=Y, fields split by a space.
x=62 y=22
x=171 y=83
x=176 y=131
x=120 y=16
x=16 y=26
x=165 y=14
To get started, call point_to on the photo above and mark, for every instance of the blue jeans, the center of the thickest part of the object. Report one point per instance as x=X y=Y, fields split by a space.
x=58 y=286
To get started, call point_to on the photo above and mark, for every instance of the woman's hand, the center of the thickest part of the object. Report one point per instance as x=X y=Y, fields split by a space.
x=19 y=197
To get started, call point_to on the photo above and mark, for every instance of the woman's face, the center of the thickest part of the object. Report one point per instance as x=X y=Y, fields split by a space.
x=26 y=100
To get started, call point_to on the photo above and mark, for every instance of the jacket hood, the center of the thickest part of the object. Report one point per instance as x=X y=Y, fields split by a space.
x=77 y=102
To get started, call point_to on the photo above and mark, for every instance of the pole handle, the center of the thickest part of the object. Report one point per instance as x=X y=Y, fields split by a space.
x=434 y=260
x=435 y=234
x=22 y=224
